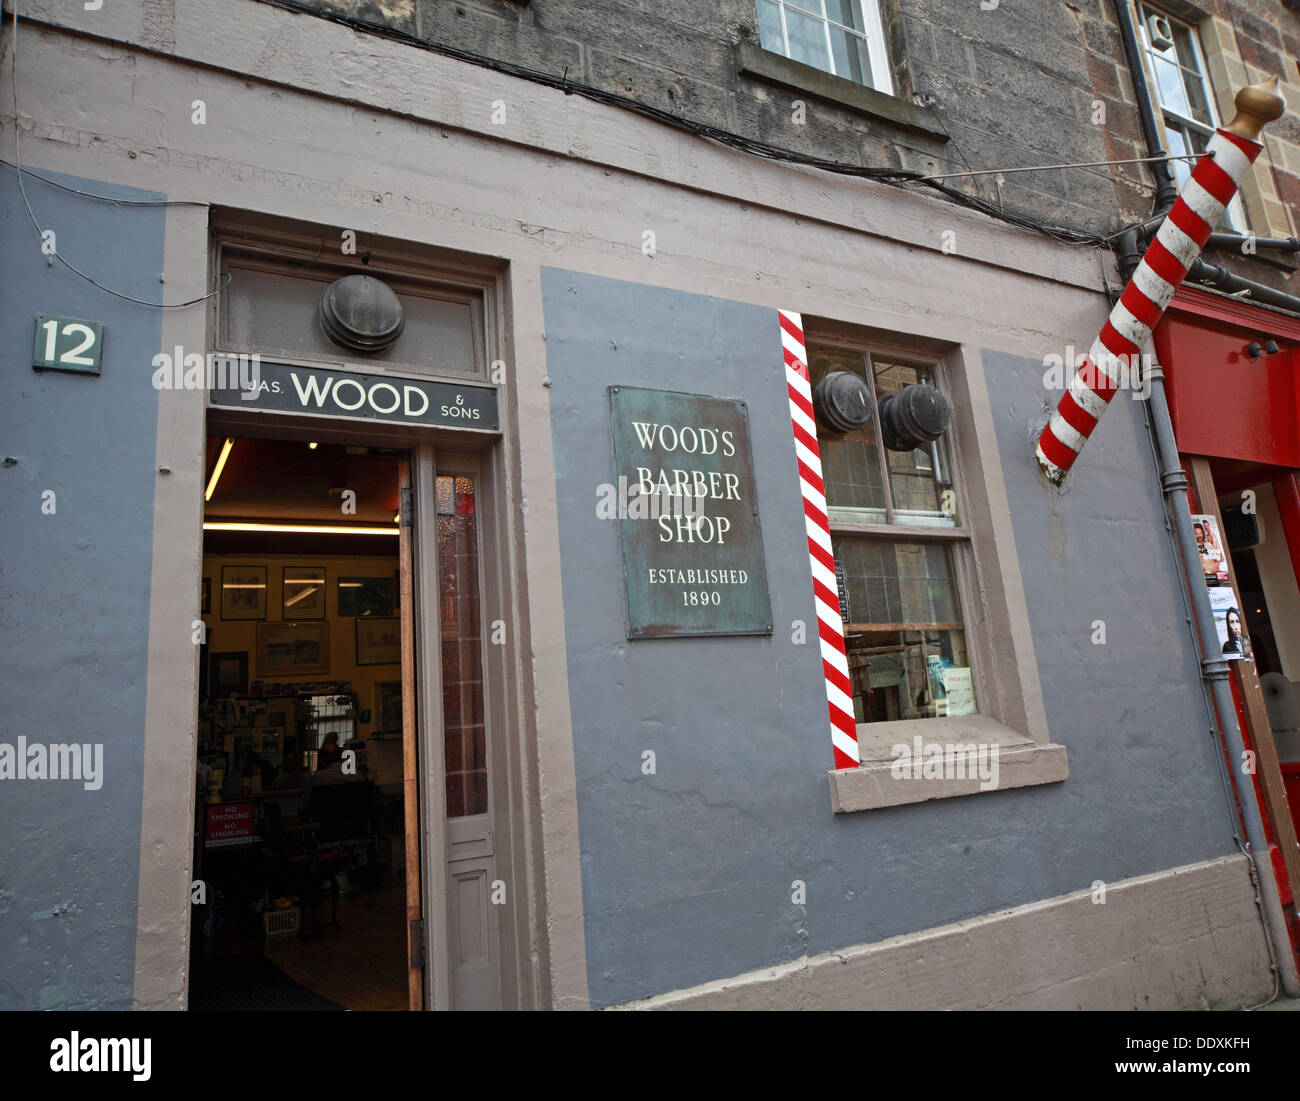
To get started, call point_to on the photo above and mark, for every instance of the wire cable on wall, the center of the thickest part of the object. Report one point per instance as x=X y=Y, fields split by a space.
x=40 y=231
x=893 y=176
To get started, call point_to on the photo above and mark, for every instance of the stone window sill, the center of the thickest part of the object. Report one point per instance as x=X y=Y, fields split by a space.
x=872 y=785
x=759 y=64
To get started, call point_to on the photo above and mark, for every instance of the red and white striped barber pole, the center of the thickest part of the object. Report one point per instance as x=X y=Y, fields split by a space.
x=830 y=628
x=1181 y=236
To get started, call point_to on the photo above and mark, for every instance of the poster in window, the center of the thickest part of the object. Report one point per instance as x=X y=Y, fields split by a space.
x=1210 y=547
x=959 y=690
x=1234 y=639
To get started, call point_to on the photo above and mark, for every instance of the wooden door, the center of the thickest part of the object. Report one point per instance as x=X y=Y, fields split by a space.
x=415 y=940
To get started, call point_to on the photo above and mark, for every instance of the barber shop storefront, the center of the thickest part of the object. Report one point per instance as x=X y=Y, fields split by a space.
x=484 y=569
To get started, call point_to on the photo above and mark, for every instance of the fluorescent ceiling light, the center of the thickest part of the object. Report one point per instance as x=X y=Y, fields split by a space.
x=216 y=470
x=295 y=529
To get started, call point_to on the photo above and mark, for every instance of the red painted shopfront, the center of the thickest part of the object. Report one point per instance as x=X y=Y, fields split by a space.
x=1234 y=396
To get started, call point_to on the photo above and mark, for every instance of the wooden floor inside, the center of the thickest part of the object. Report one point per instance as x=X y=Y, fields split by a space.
x=361 y=966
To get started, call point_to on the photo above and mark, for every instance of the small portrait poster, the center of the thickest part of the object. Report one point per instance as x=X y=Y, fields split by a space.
x=1234 y=639
x=1209 y=545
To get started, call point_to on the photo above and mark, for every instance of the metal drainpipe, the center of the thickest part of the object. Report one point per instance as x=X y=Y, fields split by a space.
x=1166 y=190
x=1130 y=245
x=1234 y=240
x=1214 y=668
x=1128 y=250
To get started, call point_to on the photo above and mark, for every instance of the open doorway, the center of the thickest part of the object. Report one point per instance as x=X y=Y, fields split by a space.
x=306 y=839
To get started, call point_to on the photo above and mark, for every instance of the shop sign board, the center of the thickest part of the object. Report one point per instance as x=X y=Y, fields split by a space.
x=687 y=510
x=324 y=392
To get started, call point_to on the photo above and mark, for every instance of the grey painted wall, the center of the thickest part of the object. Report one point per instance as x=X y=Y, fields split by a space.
x=687 y=874
x=74 y=591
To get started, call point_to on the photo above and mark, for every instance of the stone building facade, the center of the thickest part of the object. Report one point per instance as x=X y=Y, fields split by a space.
x=585 y=197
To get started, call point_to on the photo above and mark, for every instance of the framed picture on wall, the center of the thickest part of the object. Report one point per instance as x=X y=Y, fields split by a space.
x=303 y=593
x=243 y=592
x=293 y=649
x=365 y=596
x=388 y=705
x=227 y=674
x=206 y=605
x=379 y=641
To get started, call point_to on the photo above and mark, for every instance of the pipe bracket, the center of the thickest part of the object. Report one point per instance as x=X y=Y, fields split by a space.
x=1173 y=481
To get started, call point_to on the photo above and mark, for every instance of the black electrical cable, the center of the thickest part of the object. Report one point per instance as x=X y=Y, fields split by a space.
x=893 y=176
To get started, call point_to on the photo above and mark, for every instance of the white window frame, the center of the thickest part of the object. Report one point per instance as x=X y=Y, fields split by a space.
x=882 y=79
x=1235 y=215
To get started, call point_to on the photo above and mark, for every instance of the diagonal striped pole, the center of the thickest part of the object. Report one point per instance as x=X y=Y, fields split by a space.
x=830 y=628
x=1173 y=250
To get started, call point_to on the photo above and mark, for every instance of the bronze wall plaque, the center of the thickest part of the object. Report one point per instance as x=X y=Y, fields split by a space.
x=687 y=508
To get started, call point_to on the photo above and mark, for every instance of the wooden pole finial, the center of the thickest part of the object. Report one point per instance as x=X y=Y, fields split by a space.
x=1257 y=105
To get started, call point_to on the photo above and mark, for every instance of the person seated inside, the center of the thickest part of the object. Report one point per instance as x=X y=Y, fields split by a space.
x=329 y=752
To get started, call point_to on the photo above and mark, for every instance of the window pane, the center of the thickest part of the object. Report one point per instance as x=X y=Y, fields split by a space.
x=1196 y=98
x=848 y=12
x=850 y=463
x=1183 y=46
x=1178 y=147
x=898 y=584
x=909 y=675
x=905 y=639
x=921 y=480
x=769 y=26
x=851 y=61
x=807 y=39
x=1169 y=84
x=462 y=667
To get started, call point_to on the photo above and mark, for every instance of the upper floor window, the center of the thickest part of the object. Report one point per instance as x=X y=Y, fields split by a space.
x=1184 y=95
x=841 y=37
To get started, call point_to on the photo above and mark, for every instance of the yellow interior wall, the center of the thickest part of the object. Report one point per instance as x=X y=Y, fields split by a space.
x=234 y=635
